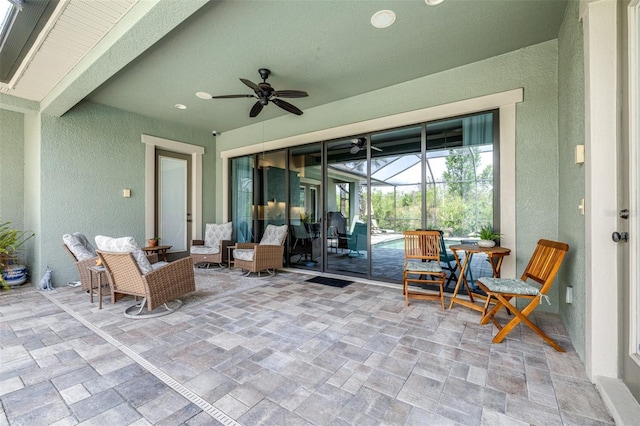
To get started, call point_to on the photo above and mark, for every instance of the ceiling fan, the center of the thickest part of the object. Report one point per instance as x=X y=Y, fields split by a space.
x=358 y=144
x=264 y=93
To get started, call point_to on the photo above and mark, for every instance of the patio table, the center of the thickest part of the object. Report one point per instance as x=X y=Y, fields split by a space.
x=495 y=256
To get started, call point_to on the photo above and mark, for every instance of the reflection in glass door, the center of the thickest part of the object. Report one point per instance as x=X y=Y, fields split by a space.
x=305 y=211
x=242 y=209
x=396 y=197
x=345 y=229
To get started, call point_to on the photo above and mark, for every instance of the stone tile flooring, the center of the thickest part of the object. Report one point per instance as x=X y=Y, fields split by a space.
x=287 y=352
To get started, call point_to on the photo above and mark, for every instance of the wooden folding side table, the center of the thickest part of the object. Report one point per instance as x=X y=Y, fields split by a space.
x=495 y=256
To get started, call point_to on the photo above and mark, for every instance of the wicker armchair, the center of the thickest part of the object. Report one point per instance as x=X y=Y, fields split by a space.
x=213 y=249
x=83 y=268
x=264 y=256
x=158 y=287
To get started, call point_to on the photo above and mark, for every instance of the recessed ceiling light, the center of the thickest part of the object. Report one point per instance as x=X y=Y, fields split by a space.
x=180 y=106
x=432 y=2
x=203 y=95
x=383 y=18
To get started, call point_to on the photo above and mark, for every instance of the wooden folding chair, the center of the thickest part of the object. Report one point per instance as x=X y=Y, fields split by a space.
x=422 y=264
x=542 y=269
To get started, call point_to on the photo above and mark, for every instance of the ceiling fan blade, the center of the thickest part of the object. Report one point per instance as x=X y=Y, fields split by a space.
x=255 y=109
x=290 y=93
x=251 y=84
x=232 y=96
x=287 y=106
x=376 y=148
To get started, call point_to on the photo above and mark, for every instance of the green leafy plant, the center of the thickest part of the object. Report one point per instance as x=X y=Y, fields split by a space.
x=305 y=218
x=487 y=233
x=11 y=242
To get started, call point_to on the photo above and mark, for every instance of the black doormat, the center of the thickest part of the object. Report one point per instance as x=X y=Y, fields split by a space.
x=333 y=282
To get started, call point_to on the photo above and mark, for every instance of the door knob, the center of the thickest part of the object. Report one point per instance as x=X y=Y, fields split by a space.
x=620 y=236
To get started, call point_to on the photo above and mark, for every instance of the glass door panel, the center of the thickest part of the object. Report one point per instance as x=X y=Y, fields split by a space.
x=173 y=200
x=242 y=194
x=346 y=232
x=305 y=209
x=396 y=197
x=272 y=190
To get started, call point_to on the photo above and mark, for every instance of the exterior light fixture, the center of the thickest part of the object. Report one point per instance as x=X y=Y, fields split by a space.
x=383 y=18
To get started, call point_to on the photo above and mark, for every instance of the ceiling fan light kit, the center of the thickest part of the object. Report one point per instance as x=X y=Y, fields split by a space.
x=264 y=94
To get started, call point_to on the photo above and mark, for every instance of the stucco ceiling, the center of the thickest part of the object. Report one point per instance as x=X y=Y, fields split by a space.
x=326 y=47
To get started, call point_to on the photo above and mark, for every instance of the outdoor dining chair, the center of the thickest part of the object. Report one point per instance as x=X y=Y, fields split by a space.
x=533 y=286
x=422 y=265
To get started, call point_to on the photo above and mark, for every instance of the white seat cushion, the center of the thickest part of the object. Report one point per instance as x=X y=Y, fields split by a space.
x=79 y=246
x=125 y=245
x=205 y=250
x=159 y=264
x=244 y=254
x=509 y=285
x=419 y=266
x=214 y=233
x=274 y=235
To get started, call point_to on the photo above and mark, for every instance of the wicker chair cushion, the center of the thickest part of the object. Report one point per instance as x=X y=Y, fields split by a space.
x=417 y=265
x=205 y=250
x=244 y=254
x=159 y=264
x=79 y=246
x=215 y=233
x=509 y=285
x=274 y=235
x=125 y=245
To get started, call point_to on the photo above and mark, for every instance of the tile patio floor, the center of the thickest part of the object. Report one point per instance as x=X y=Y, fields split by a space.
x=285 y=353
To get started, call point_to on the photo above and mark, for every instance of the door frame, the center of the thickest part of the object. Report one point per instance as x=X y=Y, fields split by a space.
x=196 y=152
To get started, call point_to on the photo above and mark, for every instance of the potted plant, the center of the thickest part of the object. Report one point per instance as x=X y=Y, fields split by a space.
x=488 y=237
x=12 y=272
x=153 y=242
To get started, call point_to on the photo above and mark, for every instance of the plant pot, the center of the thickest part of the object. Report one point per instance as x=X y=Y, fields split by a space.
x=152 y=243
x=486 y=243
x=15 y=275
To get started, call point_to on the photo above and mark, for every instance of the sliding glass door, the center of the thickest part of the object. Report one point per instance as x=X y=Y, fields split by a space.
x=346 y=207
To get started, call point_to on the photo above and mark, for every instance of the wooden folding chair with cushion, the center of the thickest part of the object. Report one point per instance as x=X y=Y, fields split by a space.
x=264 y=256
x=422 y=264
x=533 y=286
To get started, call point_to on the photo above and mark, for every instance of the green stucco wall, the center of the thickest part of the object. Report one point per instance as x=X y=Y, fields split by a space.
x=571 y=222
x=12 y=168
x=533 y=68
x=88 y=156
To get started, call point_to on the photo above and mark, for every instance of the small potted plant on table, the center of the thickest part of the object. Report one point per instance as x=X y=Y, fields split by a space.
x=153 y=242
x=488 y=237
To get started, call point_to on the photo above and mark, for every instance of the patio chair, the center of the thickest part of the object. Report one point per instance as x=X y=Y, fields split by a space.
x=422 y=264
x=358 y=239
x=542 y=269
x=130 y=273
x=213 y=249
x=447 y=260
x=83 y=255
x=264 y=256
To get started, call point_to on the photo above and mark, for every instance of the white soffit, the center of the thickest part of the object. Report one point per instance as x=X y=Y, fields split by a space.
x=74 y=28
